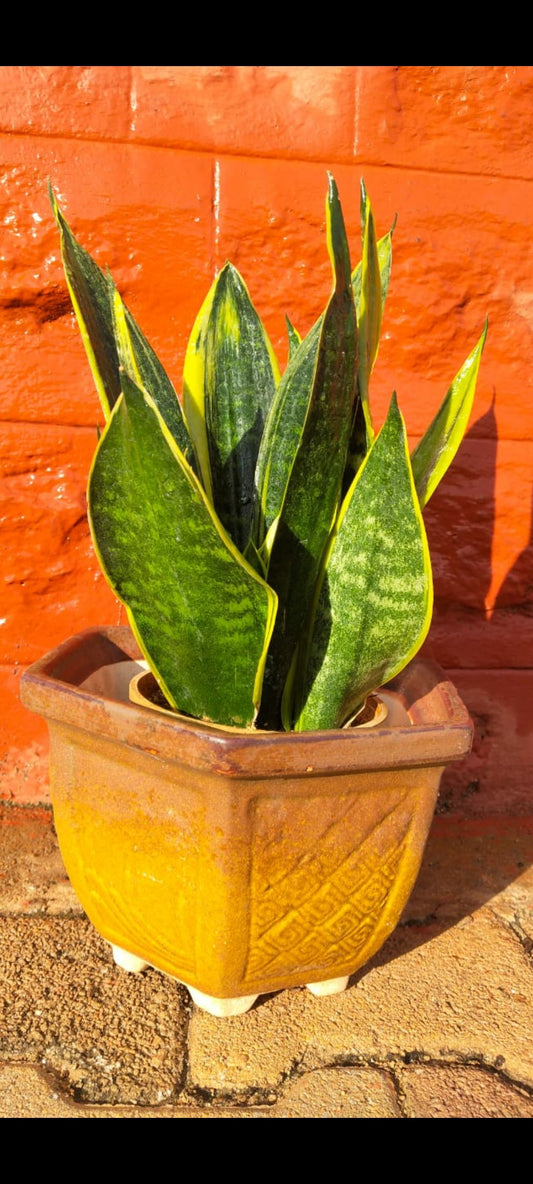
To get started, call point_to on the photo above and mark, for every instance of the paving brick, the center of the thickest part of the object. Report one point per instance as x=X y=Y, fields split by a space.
x=470 y=863
x=444 y=1009
x=470 y=119
x=340 y=1093
x=66 y=100
x=437 y=1091
x=441 y=991
x=28 y=1092
x=107 y=1037
x=288 y=111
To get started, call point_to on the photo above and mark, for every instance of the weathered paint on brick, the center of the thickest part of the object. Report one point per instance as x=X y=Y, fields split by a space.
x=23 y=744
x=51 y=584
x=143 y=213
x=285 y=111
x=458 y=119
x=82 y=101
x=497 y=777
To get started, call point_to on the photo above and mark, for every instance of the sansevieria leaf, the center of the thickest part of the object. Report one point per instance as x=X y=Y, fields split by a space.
x=89 y=293
x=368 y=316
x=289 y=409
x=314 y=485
x=142 y=364
x=112 y=337
x=283 y=433
x=369 y=309
x=293 y=336
x=437 y=448
x=202 y=616
x=385 y=266
x=239 y=373
x=374 y=599
x=194 y=380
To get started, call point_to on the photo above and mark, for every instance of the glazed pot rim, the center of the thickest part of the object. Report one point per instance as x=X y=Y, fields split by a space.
x=439 y=731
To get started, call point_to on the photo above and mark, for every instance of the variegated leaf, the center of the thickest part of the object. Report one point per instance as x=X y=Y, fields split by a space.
x=239 y=373
x=282 y=434
x=294 y=337
x=140 y=361
x=289 y=409
x=374 y=598
x=437 y=448
x=112 y=343
x=314 y=484
x=89 y=293
x=362 y=414
x=370 y=306
x=202 y=616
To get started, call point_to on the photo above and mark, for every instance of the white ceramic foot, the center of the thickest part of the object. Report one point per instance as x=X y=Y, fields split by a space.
x=128 y=961
x=329 y=986
x=220 y=1007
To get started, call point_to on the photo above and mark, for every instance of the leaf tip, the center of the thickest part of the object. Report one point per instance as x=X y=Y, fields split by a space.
x=53 y=202
x=333 y=192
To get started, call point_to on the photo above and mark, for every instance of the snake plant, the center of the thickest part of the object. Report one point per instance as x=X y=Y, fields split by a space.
x=266 y=540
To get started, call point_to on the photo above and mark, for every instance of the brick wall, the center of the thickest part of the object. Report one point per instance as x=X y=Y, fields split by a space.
x=166 y=171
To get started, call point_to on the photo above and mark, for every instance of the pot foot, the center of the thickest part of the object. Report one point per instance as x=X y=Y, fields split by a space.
x=128 y=961
x=221 y=1007
x=329 y=986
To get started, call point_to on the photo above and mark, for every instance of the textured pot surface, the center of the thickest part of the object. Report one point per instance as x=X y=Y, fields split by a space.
x=240 y=863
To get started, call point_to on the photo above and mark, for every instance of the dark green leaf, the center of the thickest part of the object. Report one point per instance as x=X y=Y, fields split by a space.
x=374 y=598
x=203 y=618
x=314 y=483
x=230 y=382
x=89 y=293
x=294 y=337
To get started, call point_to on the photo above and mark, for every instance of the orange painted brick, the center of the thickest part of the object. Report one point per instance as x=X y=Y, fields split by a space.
x=460 y=253
x=497 y=777
x=452 y=265
x=50 y=581
x=44 y=373
x=471 y=638
x=306 y=112
x=66 y=100
x=24 y=745
x=480 y=529
x=271 y=225
x=457 y=257
x=144 y=213
x=512 y=582
x=468 y=119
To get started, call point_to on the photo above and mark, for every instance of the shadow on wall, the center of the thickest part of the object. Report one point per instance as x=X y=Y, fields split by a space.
x=488 y=646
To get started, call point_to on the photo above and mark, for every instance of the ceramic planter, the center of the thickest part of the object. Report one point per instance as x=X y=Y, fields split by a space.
x=239 y=863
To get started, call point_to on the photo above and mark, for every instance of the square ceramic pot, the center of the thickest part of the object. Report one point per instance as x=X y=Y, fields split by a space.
x=239 y=863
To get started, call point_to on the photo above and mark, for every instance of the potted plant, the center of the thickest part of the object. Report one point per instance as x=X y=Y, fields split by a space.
x=245 y=827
